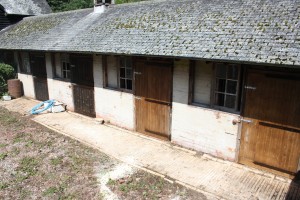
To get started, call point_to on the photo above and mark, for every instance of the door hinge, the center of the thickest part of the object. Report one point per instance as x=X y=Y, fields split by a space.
x=250 y=87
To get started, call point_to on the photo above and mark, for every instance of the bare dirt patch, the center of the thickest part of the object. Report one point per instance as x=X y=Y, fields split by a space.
x=38 y=163
x=143 y=185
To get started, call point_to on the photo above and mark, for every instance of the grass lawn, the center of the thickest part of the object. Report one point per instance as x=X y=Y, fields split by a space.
x=38 y=163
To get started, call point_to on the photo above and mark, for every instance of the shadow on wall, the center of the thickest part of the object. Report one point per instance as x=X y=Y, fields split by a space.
x=294 y=189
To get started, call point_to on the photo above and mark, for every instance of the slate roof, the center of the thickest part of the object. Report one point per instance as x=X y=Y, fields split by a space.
x=254 y=31
x=26 y=7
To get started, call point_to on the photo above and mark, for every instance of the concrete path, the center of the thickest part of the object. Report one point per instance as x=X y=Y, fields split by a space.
x=215 y=178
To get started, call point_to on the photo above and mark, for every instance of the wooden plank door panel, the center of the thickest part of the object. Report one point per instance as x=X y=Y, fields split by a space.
x=84 y=101
x=271 y=128
x=41 y=89
x=153 y=98
x=277 y=148
x=158 y=118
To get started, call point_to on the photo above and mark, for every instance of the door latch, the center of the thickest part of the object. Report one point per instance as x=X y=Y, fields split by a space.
x=235 y=121
x=250 y=87
x=137 y=73
x=246 y=120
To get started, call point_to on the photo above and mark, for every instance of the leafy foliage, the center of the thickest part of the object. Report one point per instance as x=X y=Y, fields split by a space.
x=65 y=5
x=6 y=72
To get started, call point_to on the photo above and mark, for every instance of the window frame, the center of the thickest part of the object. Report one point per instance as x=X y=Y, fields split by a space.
x=22 y=67
x=56 y=60
x=213 y=89
x=126 y=58
x=105 y=75
x=65 y=58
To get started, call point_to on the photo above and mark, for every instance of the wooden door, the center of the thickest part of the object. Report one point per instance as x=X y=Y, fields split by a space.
x=153 y=87
x=41 y=88
x=84 y=102
x=271 y=125
x=83 y=84
x=39 y=73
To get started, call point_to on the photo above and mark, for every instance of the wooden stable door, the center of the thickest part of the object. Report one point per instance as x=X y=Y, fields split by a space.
x=83 y=84
x=38 y=70
x=271 y=125
x=153 y=86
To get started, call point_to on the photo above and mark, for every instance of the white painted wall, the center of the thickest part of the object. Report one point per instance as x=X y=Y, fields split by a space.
x=28 y=86
x=112 y=105
x=198 y=128
x=61 y=91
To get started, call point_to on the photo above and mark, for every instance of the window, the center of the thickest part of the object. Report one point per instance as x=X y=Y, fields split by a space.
x=65 y=66
x=61 y=66
x=226 y=86
x=118 y=73
x=126 y=73
x=24 y=62
x=215 y=86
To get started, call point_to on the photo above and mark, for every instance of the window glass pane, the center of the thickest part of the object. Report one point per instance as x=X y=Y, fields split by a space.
x=221 y=85
x=64 y=74
x=128 y=63
x=202 y=83
x=122 y=83
x=219 y=99
x=128 y=73
x=221 y=71
x=230 y=101
x=68 y=66
x=129 y=84
x=64 y=65
x=68 y=74
x=122 y=72
x=113 y=71
x=122 y=62
x=232 y=72
x=231 y=87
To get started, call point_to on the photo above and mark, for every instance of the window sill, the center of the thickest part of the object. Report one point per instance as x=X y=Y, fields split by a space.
x=215 y=108
x=62 y=79
x=25 y=73
x=118 y=90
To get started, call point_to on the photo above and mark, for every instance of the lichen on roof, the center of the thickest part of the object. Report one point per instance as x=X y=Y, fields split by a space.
x=257 y=31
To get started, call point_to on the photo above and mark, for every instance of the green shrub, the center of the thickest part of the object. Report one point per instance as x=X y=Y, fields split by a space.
x=6 y=72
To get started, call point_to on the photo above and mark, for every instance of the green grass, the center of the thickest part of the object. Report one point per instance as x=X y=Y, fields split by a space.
x=50 y=191
x=3 y=145
x=56 y=161
x=3 y=156
x=3 y=185
x=28 y=165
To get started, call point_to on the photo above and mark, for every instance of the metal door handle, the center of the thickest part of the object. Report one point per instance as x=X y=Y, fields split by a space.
x=235 y=121
x=137 y=73
x=246 y=120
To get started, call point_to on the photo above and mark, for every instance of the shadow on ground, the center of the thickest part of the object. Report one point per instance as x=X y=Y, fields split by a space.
x=294 y=189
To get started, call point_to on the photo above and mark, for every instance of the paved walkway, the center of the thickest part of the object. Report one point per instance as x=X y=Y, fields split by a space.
x=215 y=178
